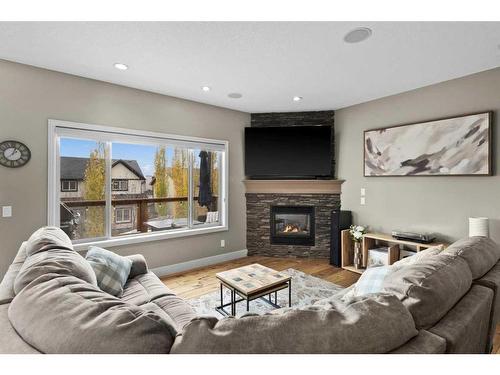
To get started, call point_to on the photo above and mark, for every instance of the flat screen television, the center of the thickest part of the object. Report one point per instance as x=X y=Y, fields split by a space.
x=288 y=152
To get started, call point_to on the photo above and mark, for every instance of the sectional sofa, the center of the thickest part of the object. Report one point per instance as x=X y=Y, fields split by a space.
x=50 y=303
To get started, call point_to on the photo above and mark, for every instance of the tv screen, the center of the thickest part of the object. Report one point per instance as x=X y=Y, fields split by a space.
x=288 y=152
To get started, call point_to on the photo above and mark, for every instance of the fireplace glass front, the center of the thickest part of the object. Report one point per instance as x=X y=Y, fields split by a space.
x=292 y=225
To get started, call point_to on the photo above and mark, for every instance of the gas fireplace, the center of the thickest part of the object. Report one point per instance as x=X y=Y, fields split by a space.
x=292 y=225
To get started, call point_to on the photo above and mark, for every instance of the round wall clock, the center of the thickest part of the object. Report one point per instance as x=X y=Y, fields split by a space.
x=14 y=154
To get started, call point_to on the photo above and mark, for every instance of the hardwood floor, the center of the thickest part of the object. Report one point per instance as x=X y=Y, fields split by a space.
x=201 y=281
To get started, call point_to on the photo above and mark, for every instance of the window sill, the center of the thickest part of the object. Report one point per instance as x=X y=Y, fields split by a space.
x=149 y=237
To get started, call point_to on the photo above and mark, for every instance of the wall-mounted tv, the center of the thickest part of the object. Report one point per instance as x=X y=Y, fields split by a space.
x=288 y=152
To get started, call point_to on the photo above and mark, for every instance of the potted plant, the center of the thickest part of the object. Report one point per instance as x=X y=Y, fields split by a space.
x=357 y=232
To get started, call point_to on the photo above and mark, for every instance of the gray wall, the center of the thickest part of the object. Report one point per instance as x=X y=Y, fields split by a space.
x=440 y=204
x=29 y=96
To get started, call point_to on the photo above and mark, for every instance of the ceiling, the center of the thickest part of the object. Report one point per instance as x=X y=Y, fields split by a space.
x=267 y=62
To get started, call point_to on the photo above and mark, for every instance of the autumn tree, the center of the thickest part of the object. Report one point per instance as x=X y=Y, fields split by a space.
x=94 y=190
x=160 y=189
x=180 y=179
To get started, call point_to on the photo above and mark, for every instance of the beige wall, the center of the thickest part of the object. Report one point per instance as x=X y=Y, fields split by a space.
x=440 y=204
x=30 y=96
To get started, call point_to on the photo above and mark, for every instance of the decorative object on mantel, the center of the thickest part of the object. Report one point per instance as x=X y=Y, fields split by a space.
x=456 y=146
x=357 y=232
x=479 y=226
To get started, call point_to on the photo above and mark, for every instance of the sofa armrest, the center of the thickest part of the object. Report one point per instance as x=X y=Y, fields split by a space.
x=139 y=265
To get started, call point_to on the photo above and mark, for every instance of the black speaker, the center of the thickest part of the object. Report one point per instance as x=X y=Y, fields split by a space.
x=340 y=220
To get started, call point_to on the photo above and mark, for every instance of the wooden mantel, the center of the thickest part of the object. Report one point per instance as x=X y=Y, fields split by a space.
x=293 y=186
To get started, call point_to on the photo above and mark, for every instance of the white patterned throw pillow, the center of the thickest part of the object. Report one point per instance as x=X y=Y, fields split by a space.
x=372 y=280
x=111 y=270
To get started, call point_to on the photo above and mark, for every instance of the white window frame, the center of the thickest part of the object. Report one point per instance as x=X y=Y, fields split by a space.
x=108 y=135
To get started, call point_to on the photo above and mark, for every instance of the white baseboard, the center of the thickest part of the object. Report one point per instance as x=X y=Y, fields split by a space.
x=185 y=266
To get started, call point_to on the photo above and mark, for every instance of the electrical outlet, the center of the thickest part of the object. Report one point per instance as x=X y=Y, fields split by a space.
x=363 y=201
x=222 y=243
x=6 y=211
x=363 y=192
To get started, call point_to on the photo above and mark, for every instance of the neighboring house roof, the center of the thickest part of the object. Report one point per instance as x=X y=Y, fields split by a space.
x=74 y=168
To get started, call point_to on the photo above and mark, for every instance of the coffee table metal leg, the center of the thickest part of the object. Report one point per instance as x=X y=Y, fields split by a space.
x=233 y=307
x=289 y=293
x=248 y=305
x=221 y=296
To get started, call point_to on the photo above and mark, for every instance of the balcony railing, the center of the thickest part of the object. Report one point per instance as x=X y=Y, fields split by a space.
x=142 y=204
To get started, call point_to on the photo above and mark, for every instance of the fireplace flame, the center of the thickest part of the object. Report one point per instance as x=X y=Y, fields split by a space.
x=291 y=228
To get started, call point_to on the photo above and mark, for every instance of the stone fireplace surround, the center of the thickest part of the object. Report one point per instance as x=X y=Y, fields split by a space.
x=261 y=195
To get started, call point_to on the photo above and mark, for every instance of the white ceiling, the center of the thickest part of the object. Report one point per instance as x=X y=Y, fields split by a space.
x=268 y=63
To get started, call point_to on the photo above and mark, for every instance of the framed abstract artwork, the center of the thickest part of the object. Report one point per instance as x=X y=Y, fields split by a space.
x=457 y=146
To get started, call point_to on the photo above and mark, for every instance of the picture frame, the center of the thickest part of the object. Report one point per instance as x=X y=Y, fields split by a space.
x=450 y=146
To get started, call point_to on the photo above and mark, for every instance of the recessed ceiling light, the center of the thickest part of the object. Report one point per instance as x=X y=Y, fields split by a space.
x=297 y=98
x=357 y=35
x=206 y=88
x=120 y=66
x=235 y=95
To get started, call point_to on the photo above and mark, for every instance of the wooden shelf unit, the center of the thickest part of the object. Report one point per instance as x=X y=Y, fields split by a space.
x=372 y=241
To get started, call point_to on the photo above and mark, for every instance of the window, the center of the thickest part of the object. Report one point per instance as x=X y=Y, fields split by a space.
x=69 y=185
x=130 y=186
x=120 y=185
x=123 y=215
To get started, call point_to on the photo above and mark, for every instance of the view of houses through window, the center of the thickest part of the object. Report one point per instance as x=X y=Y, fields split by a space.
x=149 y=188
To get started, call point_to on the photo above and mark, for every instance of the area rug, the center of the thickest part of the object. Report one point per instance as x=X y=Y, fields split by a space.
x=306 y=290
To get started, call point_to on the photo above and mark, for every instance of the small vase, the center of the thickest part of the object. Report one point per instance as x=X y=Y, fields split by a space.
x=358 y=256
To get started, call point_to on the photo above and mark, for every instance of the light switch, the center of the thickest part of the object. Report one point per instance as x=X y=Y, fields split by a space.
x=362 y=201
x=6 y=211
x=222 y=243
x=363 y=192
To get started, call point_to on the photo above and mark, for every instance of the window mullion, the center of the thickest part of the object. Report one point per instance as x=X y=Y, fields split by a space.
x=190 y=188
x=109 y=207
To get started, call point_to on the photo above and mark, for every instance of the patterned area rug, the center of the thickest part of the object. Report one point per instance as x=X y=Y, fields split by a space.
x=306 y=290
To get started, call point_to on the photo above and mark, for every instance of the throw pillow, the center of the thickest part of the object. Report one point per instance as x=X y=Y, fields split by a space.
x=371 y=281
x=111 y=270
x=418 y=257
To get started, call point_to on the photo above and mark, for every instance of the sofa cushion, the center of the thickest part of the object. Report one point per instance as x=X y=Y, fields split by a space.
x=47 y=238
x=144 y=288
x=63 y=314
x=139 y=265
x=369 y=325
x=492 y=280
x=480 y=253
x=111 y=270
x=10 y=341
x=465 y=327
x=424 y=343
x=177 y=309
x=431 y=287
x=431 y=251
x=7 y=285
x=59 y=261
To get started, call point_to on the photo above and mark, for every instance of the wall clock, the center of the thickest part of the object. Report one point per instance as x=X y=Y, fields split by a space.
x=14 y=154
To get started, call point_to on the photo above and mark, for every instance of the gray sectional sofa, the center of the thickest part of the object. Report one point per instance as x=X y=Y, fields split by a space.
x=50 y=303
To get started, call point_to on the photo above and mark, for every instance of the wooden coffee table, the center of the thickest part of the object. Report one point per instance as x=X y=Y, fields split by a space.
x=252 y=282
